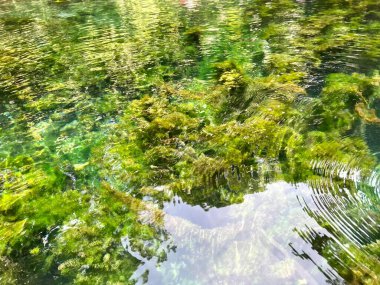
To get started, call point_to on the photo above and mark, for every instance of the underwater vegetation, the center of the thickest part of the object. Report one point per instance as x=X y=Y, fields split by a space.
x=109 y=110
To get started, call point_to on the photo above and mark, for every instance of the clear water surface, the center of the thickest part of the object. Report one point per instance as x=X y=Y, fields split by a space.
x=189 y=142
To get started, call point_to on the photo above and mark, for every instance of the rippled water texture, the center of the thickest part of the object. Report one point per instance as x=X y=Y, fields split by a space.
x=257 y=241
x=189 y=142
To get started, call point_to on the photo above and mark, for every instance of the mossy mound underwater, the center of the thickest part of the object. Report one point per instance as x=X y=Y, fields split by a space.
x=111 y=111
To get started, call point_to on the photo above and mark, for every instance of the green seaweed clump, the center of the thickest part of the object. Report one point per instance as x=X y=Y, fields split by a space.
x=109 y=109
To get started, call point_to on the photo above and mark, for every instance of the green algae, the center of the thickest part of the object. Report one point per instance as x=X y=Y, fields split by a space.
x=95 y=122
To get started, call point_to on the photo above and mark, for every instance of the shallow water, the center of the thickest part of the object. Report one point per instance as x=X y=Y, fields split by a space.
x=189 y=142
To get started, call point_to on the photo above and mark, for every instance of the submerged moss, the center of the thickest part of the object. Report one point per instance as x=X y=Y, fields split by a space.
x=108 y=110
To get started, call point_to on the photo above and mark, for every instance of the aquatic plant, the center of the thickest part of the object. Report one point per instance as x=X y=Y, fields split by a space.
x=108 y=110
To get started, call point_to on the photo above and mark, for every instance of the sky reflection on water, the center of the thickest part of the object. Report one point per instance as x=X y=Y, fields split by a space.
x=254 y=242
